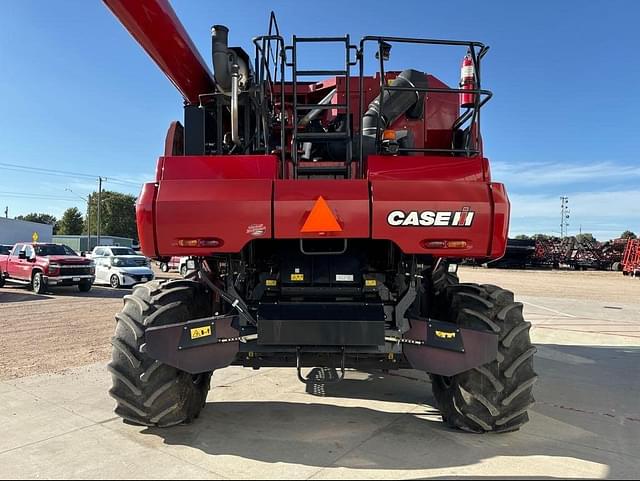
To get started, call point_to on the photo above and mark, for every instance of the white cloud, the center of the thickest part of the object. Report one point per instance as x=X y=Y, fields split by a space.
x=605 y=214
x=561 y=173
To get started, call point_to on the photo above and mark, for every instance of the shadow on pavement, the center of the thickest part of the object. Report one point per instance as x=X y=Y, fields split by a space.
x=21 y=295
x=587 y=411
x=96 y=292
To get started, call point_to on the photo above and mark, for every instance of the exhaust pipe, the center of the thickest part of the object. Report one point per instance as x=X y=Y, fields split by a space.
x=221 y=56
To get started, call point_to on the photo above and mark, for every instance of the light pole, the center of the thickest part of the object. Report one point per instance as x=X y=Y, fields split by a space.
x=88 y=201
x=564 y=216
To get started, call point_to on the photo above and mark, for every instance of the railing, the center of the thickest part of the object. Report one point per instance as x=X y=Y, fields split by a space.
x=472 y=114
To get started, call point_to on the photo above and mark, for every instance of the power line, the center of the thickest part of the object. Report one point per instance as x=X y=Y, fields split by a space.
x=63 y=173
x=21 y=195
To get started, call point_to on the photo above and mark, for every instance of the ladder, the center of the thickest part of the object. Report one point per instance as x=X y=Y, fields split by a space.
x=319 y=170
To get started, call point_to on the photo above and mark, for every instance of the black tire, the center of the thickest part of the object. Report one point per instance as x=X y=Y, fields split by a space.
x=148 y=392
x=164 y=267
x=85 y=286
x=494 y=397
x=1 y=280
x=38 y=285
x=114 y=281
x=617 y=267
x=441 y=278
x=184 y=270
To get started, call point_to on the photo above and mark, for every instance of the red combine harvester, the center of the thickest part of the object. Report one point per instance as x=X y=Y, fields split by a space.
x=631 y=258
x=323 y=219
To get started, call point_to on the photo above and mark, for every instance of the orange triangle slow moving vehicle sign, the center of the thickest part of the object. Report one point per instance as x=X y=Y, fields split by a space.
x=321 y=219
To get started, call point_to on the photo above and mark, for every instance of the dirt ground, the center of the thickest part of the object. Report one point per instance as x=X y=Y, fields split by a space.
x=61 y=329
x=66 y=328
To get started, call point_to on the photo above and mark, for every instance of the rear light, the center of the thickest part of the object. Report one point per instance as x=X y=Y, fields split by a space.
x=444 y=244
x=211 y=242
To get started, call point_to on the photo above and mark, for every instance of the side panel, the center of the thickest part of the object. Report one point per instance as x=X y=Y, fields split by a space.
x=233 y=211
x=294 y=200
x=501 y=217
x=145 y=219
x=219 y=167
x=411 y=213
x=386 y=167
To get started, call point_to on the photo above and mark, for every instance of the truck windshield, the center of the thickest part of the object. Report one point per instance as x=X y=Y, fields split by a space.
x=122 y=251
x=127 y=262
x=54 y=250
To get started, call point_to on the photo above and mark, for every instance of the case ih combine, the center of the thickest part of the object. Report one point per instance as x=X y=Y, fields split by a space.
x=322 y=215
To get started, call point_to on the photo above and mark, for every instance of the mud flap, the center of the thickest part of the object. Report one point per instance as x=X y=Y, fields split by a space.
x=447 y=349
x=198 y=346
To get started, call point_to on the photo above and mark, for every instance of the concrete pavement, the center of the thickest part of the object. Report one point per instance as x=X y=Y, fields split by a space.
x=262 y=424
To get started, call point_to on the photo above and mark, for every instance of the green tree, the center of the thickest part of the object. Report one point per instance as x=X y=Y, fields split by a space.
x=628 y=235
x=117 y=215
x=523 y=237
x=71 y=222
x=41 y=219
x=585 y=237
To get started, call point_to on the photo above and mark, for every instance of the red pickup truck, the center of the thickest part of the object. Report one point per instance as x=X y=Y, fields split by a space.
x=46 y=265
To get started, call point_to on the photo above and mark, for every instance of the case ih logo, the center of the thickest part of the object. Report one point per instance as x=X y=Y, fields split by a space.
x=429 y=218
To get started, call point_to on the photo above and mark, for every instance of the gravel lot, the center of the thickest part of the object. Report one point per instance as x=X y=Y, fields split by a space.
x=66 y=328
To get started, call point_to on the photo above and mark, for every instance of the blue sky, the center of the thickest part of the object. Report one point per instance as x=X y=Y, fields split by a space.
x=78 y=95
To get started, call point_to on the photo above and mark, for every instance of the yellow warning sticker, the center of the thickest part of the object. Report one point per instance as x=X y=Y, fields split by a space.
x=445 y=335
x=297 y=277
x=199 y=332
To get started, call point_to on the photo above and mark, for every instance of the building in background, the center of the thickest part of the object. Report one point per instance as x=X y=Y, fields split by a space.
x=80 y=243
x=14 y=230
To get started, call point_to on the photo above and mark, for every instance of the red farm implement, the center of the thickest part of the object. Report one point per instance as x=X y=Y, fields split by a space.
x=324 y=201
x=631 y=258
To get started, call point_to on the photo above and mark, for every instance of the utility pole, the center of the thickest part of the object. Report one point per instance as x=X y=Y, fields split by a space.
x=100 y=180
x=88 y=201
x=6 y=212
x=564 y=216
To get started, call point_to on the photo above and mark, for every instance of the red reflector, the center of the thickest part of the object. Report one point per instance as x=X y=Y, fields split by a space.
x=434 y=244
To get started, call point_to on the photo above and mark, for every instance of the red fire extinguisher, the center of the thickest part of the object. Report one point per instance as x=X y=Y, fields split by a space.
x=467 y=81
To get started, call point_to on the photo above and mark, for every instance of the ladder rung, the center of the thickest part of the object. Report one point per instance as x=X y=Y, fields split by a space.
x=319 y=39
x=320 y=73
x=302 y=136
x=322 y=106
x=322 y=170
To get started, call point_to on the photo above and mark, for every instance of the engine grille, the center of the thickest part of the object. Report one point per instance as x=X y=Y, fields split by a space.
x=75 y=270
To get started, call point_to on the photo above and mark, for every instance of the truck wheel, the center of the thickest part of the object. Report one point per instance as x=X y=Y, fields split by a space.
x=1 y=280
x=148 y=392
x=494 y=397
x=84 y=286
x=183 y=270
x=114 y=281
x=164 y=267
x=37 y=283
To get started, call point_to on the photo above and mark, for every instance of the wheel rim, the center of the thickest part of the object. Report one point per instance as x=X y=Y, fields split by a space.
x=36 y=283
x=114 y=282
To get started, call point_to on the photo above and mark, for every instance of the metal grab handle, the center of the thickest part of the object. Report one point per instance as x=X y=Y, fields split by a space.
x=304 y=380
